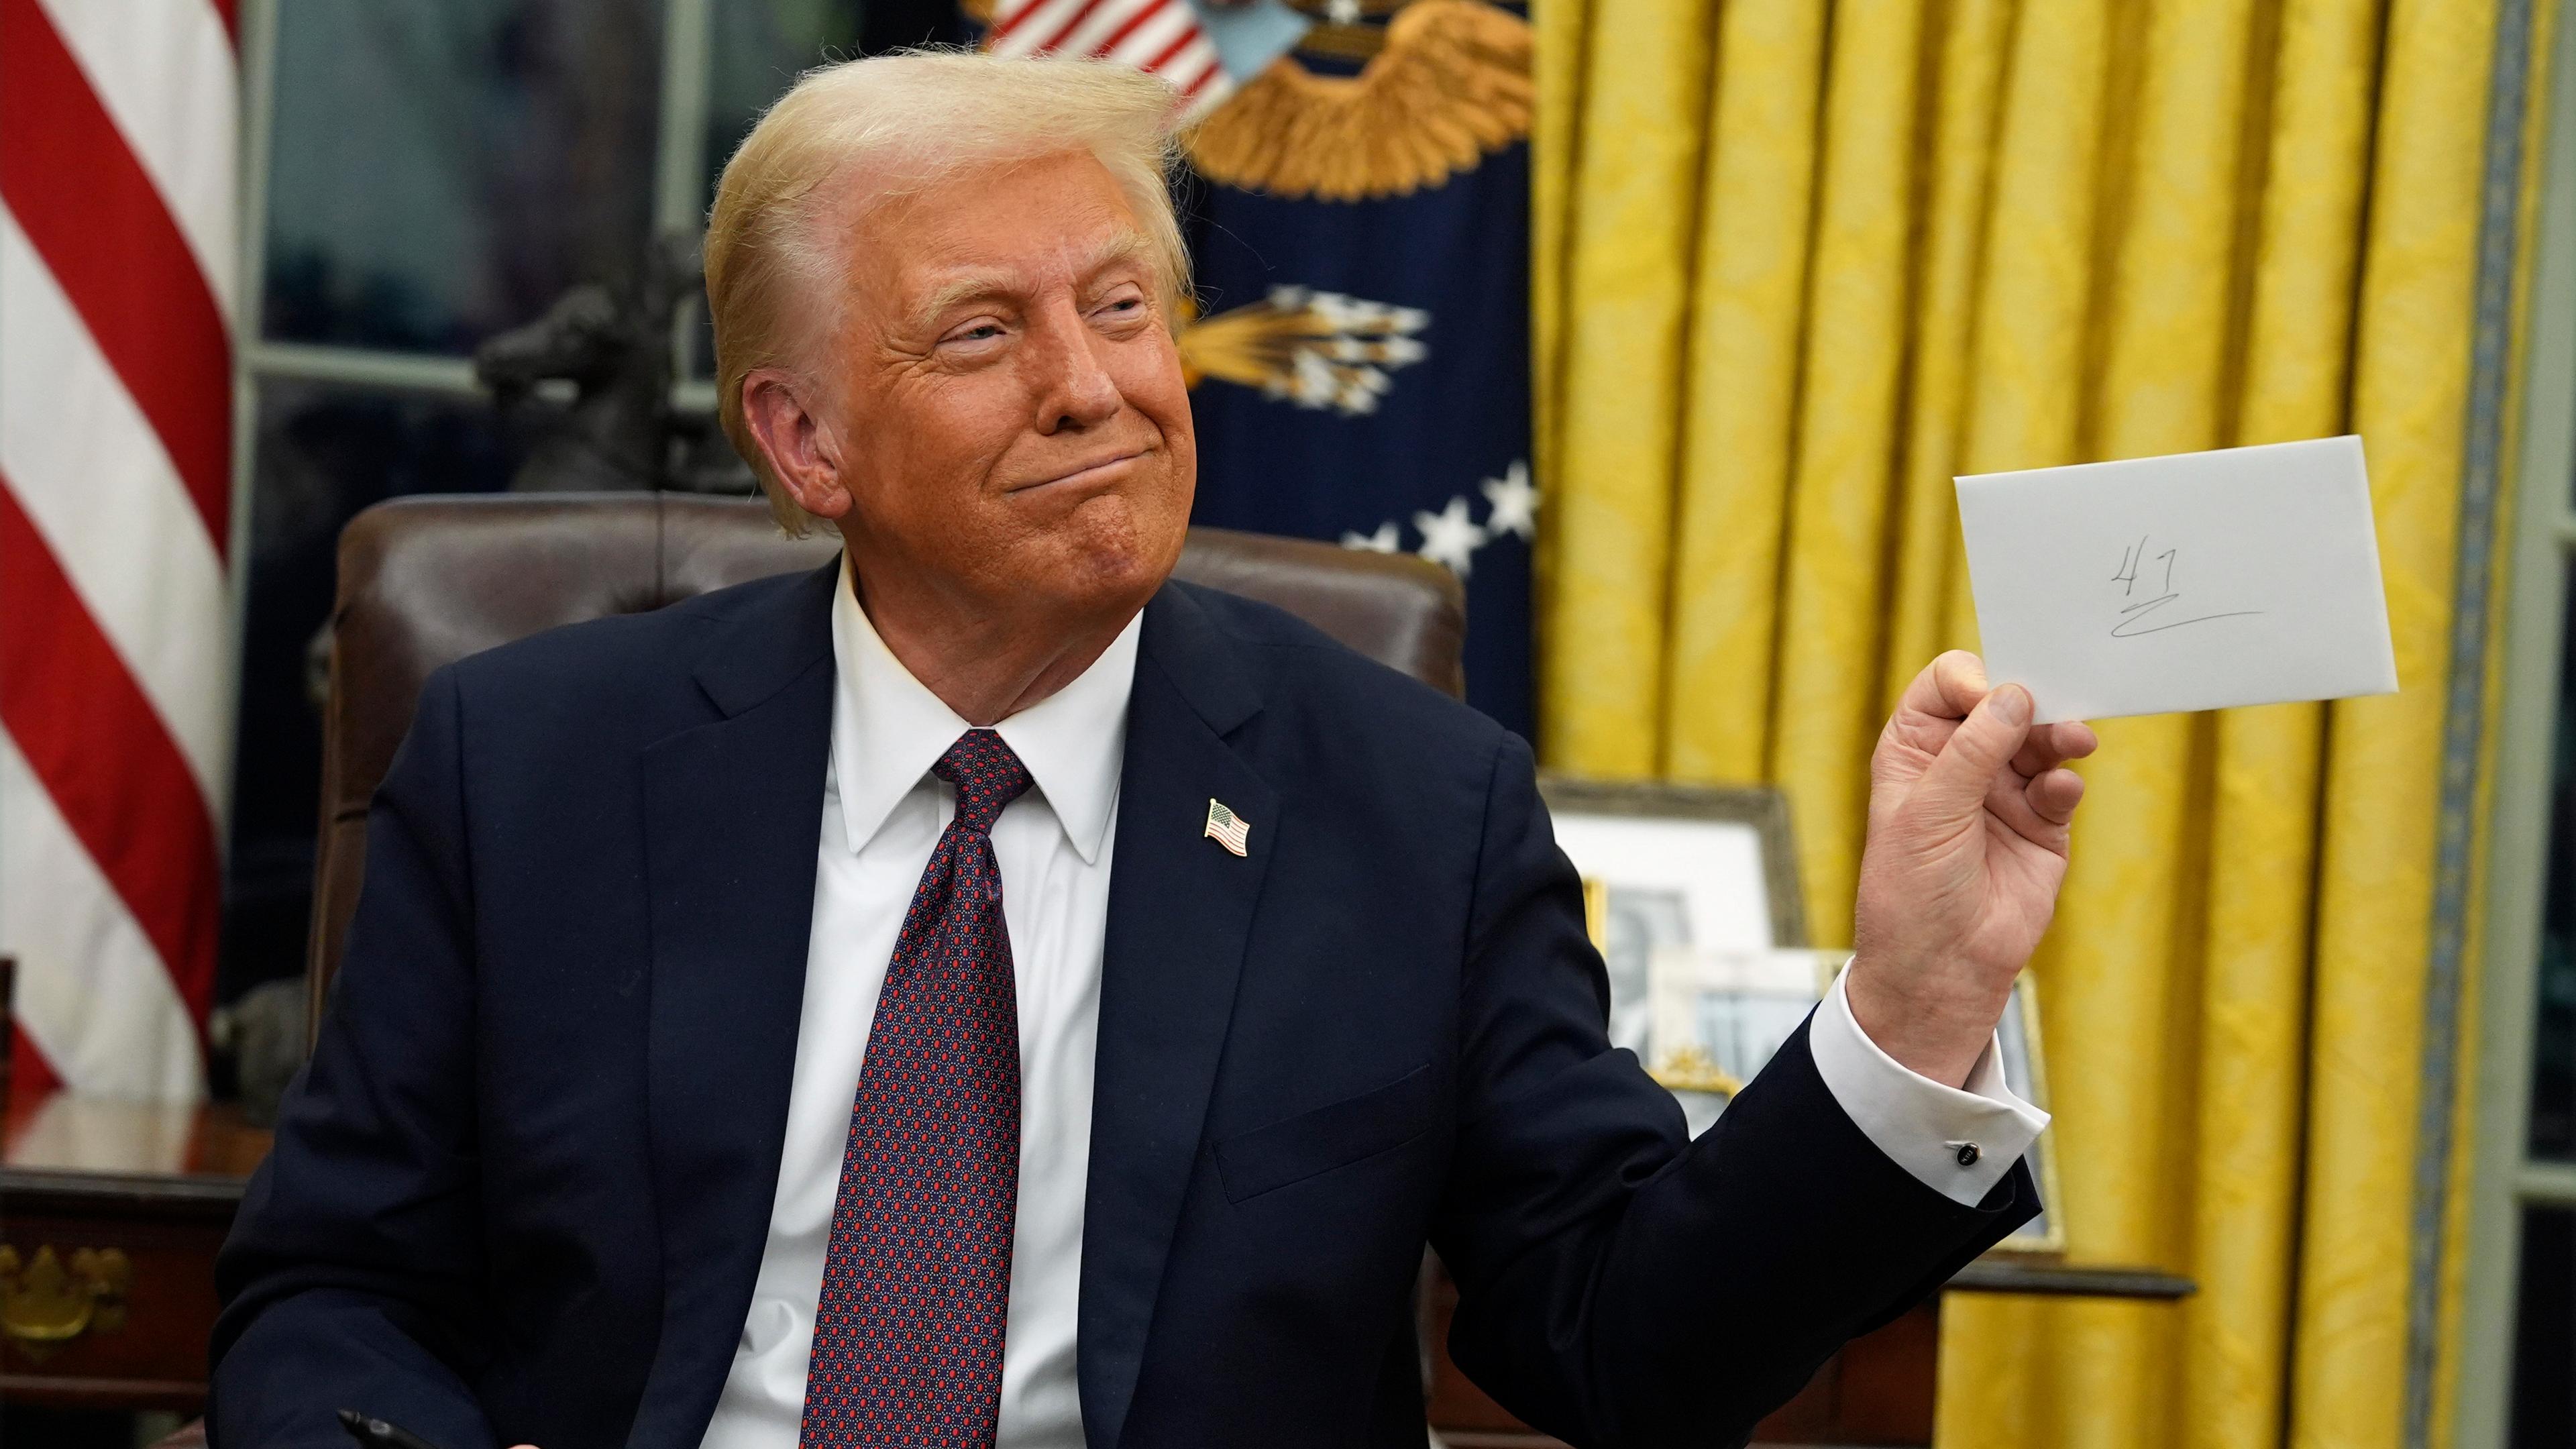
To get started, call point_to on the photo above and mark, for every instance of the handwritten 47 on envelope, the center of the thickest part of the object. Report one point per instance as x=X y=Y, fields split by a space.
x=2197 y=581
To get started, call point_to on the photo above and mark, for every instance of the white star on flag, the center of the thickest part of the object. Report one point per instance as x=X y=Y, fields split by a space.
x=1514 y=501
x=1382 y=541
x=1449 y=537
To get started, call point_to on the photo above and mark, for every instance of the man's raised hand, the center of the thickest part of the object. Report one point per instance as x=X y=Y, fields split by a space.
x=1969 y=806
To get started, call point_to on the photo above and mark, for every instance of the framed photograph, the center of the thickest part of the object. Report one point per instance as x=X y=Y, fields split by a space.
x=1720 y=854
x=1677 y=868
x=1717 y=1016
x=2026 y=1072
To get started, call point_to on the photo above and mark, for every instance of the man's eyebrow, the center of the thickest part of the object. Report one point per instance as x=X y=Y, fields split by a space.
x=974 y=286
x=1123 y=249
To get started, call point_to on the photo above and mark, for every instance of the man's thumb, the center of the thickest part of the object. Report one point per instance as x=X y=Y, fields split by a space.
x=1954 y=785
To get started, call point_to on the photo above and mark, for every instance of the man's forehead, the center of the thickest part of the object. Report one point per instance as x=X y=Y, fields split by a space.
x=1065 y=209
x=1040 y=255
x=997 y=231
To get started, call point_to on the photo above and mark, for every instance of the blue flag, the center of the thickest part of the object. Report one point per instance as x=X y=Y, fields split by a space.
x=1361 y=357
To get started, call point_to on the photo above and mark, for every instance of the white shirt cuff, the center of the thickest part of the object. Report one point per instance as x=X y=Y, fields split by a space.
x=1957 y=1143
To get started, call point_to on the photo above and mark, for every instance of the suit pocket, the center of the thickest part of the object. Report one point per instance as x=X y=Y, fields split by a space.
x=1334 y=1135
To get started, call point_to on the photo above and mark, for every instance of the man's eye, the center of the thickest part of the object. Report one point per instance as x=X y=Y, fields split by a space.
x=980 y=332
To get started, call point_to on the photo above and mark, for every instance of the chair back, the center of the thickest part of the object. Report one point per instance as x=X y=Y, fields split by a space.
x=429 y=579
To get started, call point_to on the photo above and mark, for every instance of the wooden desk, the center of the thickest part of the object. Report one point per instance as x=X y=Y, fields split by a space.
x=1877 y=1392
x=110 y=1214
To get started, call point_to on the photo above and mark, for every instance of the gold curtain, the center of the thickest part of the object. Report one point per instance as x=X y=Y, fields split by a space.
x=1798 y=263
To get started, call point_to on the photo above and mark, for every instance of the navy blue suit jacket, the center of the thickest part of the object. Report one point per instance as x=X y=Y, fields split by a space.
x=522 y=1190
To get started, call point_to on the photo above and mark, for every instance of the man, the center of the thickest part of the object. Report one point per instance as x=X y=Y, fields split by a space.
x=1089 y=1058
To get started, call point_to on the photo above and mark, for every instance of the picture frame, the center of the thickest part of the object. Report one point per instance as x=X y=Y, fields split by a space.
x=1718 y=1016
x=1746 y=826
x=1670 y=867
x=2025 y=1064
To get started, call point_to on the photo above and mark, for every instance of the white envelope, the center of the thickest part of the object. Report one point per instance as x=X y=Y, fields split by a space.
x=2197 y=581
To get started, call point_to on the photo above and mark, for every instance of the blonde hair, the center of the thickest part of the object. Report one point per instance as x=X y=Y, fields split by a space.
x=913 y=118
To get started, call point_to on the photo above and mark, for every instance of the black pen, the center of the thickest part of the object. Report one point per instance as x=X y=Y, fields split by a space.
x=377 y=1434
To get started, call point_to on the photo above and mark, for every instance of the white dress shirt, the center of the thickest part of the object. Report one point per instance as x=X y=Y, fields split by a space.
x=882 y=814
x=1919 y=1123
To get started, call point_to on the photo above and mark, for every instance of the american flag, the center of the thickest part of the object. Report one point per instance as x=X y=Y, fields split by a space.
x=1163 y=37
x=1227 y=828
x=116 y=642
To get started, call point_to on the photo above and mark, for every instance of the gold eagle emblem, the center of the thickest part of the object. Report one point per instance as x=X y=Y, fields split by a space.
x=1450 y=83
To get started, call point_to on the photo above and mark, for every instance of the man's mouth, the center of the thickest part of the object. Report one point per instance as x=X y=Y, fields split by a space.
x=1099 y=471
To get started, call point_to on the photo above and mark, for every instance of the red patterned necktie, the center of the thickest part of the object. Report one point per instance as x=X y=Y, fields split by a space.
x=908 y=1335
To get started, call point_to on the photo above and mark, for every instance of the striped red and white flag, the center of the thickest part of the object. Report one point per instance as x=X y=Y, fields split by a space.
x=1163 y=37
x=116 y=671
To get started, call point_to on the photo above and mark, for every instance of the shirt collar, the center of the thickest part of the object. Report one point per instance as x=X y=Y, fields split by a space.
x=888 y=729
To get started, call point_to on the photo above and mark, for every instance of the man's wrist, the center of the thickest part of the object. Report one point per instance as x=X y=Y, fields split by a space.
x=1936 y=1033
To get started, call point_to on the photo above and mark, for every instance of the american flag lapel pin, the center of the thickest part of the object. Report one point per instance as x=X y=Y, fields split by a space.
x=1227 y=828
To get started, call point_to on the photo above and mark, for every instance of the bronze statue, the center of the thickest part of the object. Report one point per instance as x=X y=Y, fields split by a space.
x=613 y=344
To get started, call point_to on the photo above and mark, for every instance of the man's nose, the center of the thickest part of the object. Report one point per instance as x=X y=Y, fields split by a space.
x=1075 y=389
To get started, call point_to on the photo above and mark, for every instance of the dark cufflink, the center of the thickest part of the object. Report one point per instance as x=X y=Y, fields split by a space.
x=1967 y=1152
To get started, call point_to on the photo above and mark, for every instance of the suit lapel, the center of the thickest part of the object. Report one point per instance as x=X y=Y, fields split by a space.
x=1180 y=911
x=732 y=819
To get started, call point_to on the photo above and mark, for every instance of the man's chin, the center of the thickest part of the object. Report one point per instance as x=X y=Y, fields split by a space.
x=1115 y=561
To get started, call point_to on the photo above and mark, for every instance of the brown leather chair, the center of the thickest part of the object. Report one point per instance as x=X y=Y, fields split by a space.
x=428 y=580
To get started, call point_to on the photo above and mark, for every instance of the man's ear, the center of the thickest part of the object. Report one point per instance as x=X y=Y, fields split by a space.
x=803 y=450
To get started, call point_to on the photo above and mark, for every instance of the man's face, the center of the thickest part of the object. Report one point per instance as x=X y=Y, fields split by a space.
x=1016 y=429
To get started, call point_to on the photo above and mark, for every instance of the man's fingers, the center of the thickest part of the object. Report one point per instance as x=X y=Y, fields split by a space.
x=2050 y=746
x=2010 y=803
x=2054 y=794
x=1954 y=786
x=1948 y=687
x=2042 y=814
x=1961 y=678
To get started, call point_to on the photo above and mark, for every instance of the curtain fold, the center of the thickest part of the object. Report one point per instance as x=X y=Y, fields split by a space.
x=2410 y=385
x=1799 y=263
x=1612 y=410
x=1832 y=584
x=1748 y=290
